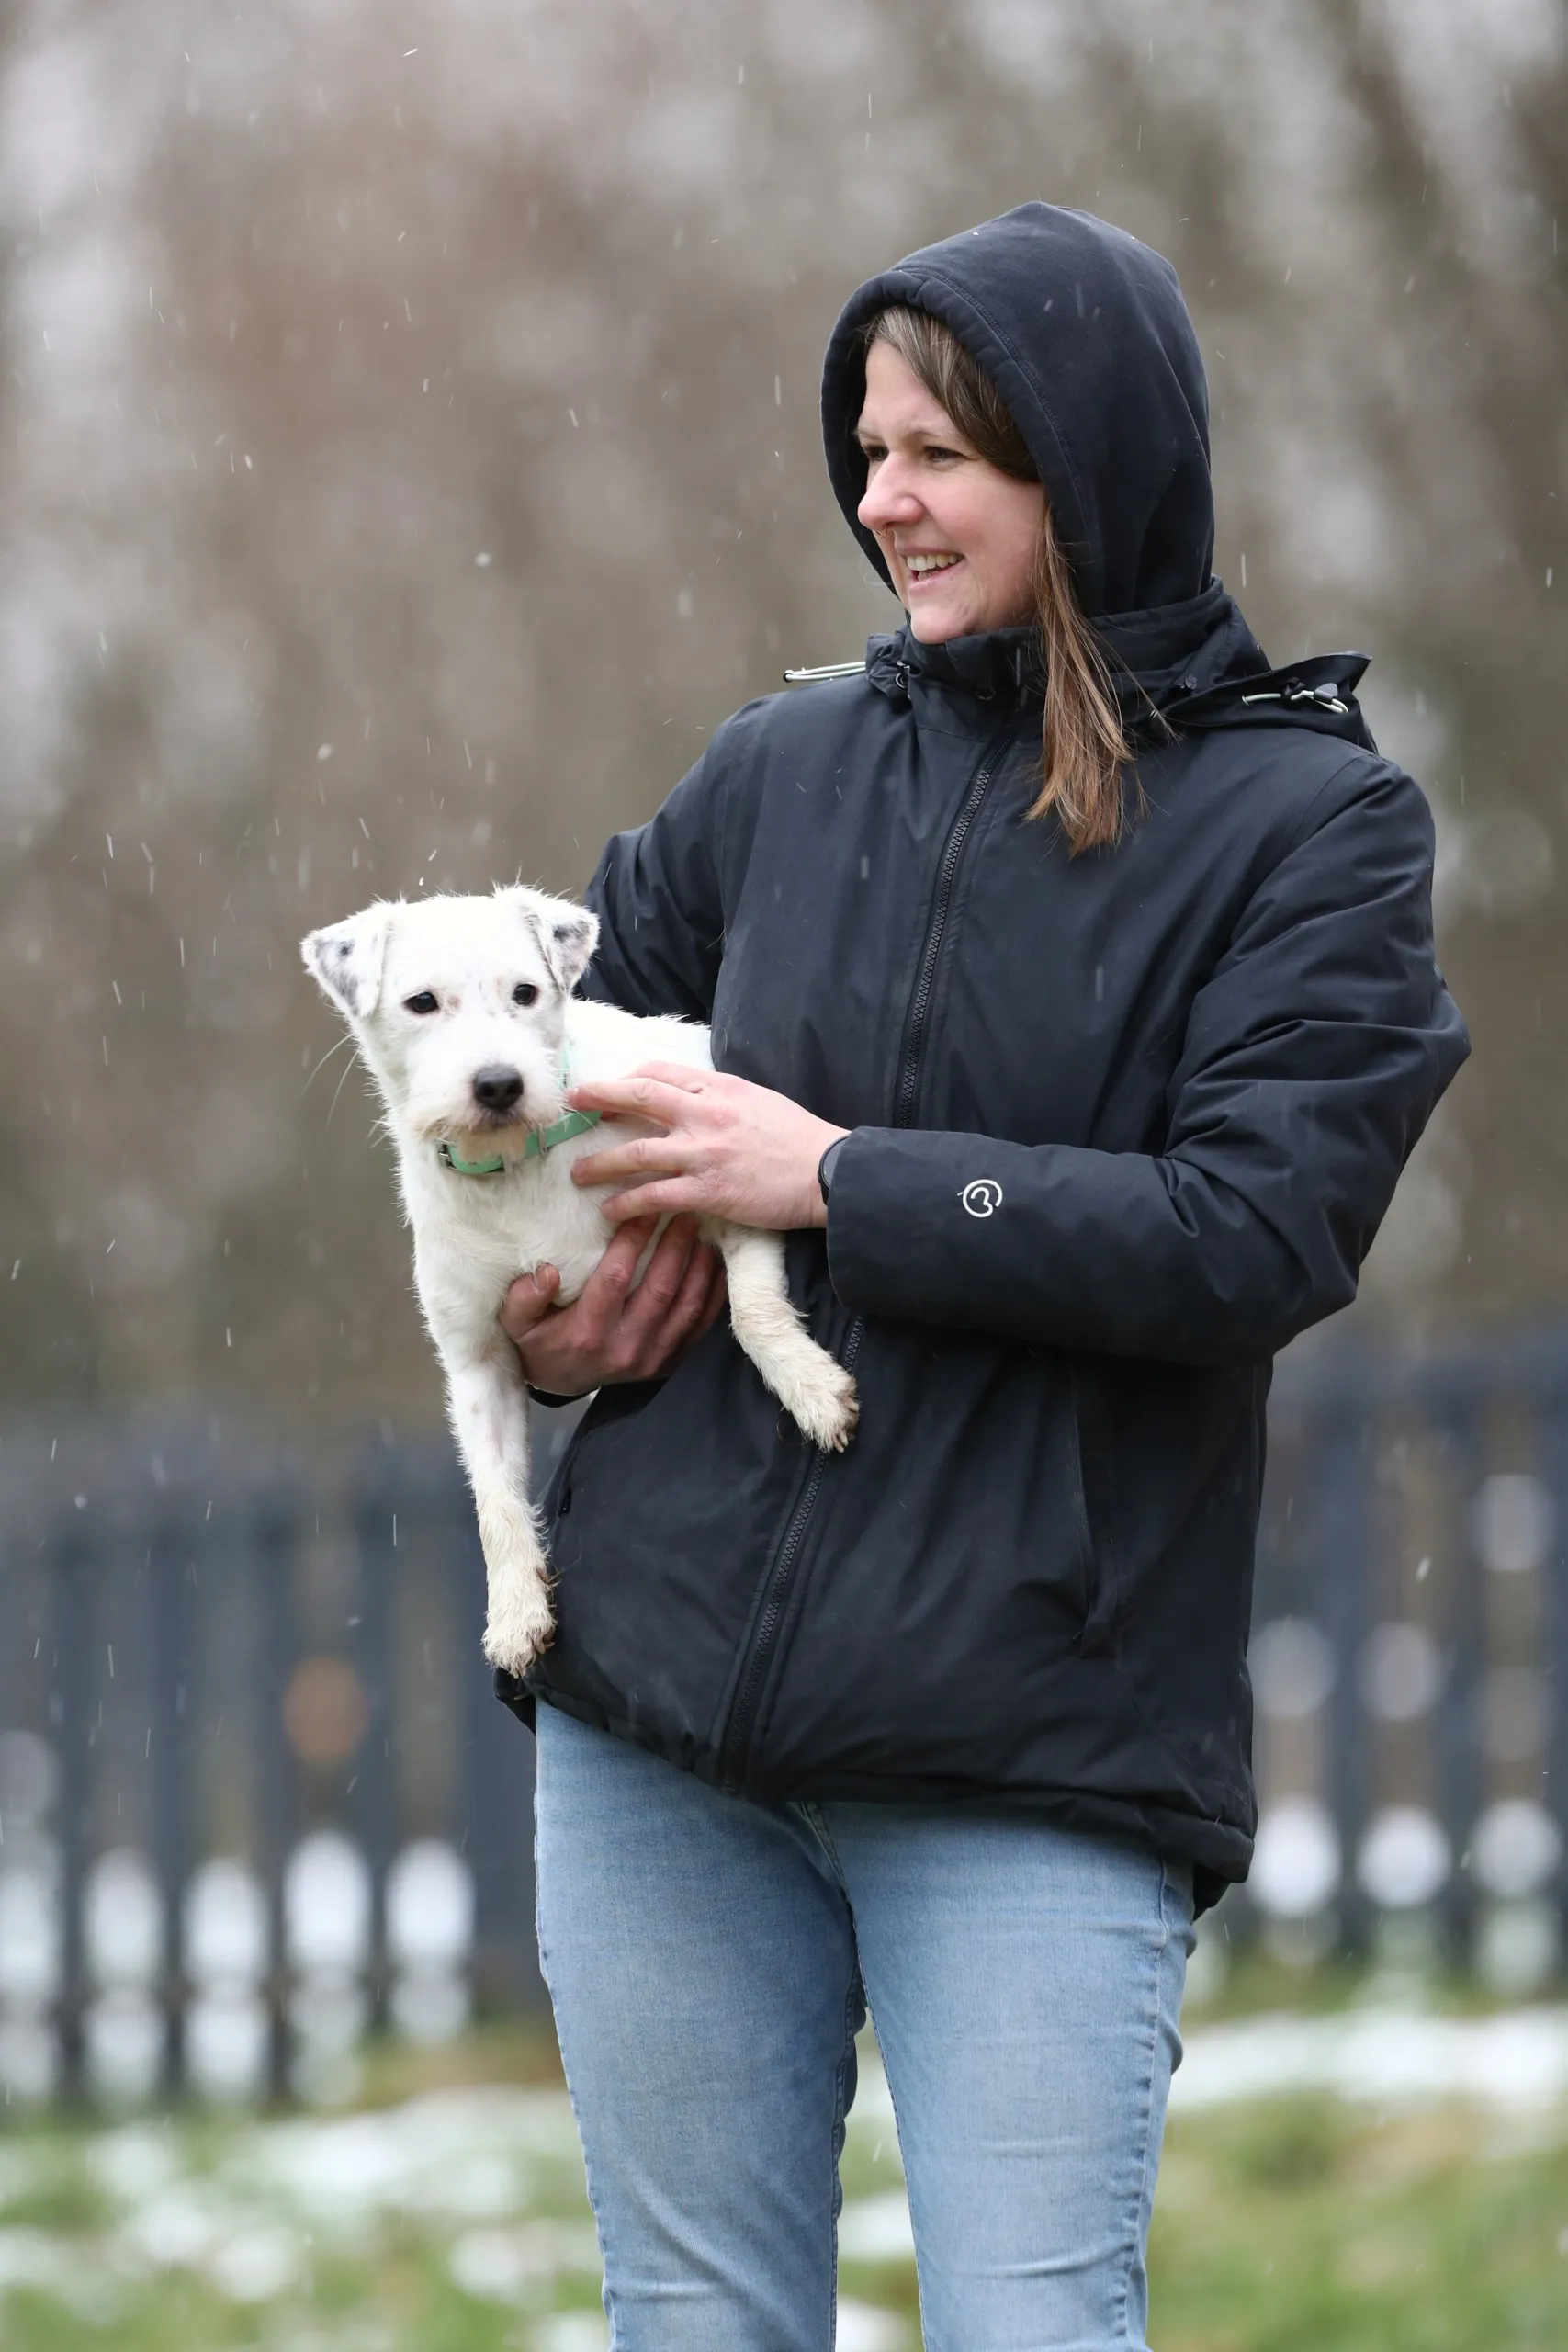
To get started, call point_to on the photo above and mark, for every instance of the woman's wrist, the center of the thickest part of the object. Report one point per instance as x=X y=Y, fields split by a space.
x=825 y=1167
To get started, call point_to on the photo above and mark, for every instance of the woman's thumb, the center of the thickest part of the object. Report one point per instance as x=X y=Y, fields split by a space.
x=528 y=1301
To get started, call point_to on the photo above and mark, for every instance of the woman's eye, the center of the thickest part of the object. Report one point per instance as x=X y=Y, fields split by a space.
x=424 y=1002
x=524 y=992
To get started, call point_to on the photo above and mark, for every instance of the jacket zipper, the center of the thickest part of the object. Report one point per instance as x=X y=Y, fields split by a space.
x=905 y=1103
x=746 y=1698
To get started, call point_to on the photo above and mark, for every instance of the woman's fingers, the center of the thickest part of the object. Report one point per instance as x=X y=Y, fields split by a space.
x=680 y=1302
x=665 y=1094
x=613 y=1331
x=529 y=1300
x=639 y=1156
x=661 y=1285
x=721 y=1147
x=648 y=1082
x=566 y=1350
x=603 y=1297
x=673 y=1196
x=662 y=1092
x=698 y=1300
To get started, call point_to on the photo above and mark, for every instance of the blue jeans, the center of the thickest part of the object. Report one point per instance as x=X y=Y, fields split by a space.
x=710 y=1960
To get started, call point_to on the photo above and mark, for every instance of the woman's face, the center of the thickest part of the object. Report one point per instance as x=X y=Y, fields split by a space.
x=959 y=537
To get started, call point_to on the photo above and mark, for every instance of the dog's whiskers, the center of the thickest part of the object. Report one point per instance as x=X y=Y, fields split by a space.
x=320 y=1065
x=342 y=1081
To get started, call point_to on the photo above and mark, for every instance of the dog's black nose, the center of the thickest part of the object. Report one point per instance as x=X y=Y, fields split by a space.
x=497 y=1088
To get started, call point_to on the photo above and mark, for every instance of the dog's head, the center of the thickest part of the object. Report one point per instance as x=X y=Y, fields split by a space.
x=459 y=1008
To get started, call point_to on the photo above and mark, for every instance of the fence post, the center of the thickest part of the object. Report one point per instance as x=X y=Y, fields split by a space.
x=273 y=1538
x=1344 y=1557
x=71 y=1637
x=377 y=1529
x=1552 y=1389
x=169 y=1566
x=498 y=1808
x=1454 y=1400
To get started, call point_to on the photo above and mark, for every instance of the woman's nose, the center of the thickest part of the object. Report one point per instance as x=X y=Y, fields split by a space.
x=890 y=497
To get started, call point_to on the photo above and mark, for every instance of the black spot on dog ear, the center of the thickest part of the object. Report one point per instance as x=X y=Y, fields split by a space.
x=346 y=959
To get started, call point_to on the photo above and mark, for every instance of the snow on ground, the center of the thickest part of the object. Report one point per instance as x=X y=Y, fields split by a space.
x=489 y=2182
x=1516 y=2060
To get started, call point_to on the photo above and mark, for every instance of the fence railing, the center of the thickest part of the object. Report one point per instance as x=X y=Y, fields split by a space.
x=256 y=1799
x=256 y=1796
x=1409 y=1657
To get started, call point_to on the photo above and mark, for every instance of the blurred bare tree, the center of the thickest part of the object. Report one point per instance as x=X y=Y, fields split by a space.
x=410 y=452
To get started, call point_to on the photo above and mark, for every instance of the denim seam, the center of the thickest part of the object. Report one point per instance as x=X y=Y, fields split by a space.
x=1151 y=2021
x=816 y=1821
x=835 y=2184
x=899 y=2135
x=610 y=2301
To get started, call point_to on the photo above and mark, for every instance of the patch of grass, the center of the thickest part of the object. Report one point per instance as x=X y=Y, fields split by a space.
x=1293 y=2225
x=1296 y=2225
x=1295 y=2143
x=521 y=2051
x=1410 y=1966
x=58 y=2198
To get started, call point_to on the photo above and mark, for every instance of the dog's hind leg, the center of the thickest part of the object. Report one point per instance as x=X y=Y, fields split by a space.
x=812 y=1386
x=488 y=1406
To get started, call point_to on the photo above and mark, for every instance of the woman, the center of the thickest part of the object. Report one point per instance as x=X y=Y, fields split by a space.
x=1071 y=980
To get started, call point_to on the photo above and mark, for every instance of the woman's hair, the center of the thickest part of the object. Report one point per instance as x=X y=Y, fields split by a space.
x=1085 y=746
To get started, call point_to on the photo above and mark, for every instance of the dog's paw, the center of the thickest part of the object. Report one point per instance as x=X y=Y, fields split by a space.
x=517 y=1633
x=827 y=1411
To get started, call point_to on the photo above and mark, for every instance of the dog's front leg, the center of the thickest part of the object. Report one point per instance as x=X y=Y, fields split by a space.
x=488 y=1406
x=811 y=1385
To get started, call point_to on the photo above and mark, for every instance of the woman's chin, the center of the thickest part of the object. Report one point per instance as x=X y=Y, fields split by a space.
x=938 y=623
x=935 y=628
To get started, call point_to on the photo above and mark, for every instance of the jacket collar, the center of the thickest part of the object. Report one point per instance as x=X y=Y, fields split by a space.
x=1196 y=662
x=1002 y=667
x=1155 y=658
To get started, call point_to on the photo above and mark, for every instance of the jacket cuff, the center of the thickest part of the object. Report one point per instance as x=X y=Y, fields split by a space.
x=905 y=1216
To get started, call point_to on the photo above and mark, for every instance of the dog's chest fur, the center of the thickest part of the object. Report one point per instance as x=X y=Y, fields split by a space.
x=473 y=1234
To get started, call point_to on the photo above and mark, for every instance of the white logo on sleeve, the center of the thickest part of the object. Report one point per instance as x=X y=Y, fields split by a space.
x=983 y=1197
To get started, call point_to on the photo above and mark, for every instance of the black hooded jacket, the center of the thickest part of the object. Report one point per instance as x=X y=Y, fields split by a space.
x=1123 y=1124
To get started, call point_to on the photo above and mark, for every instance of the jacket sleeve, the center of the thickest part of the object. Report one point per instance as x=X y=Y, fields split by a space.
x=1312 y=1056
x=657 y=895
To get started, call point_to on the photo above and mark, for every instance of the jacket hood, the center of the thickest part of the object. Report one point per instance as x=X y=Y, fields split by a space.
x=1085 y=334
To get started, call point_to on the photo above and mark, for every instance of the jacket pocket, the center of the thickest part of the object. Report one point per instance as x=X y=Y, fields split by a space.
x=607 y=1407
x=1092 y=1477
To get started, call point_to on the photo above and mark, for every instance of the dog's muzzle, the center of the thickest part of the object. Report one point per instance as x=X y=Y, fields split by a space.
x=498 y=1089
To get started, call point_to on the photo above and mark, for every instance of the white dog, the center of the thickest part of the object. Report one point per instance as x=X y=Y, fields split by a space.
x=463 y=1010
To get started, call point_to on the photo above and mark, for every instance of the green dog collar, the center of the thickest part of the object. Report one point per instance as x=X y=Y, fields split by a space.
x=576 y=1123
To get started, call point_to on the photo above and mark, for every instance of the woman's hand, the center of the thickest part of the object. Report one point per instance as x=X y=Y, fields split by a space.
x=728 y=1149
x=612 y=1333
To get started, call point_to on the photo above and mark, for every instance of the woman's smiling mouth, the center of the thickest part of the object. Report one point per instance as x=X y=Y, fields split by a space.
x=921 y=568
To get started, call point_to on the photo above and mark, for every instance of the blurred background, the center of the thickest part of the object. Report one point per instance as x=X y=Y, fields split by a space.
x=408 y=453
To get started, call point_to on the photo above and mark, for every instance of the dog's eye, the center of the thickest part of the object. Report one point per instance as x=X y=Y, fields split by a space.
x=525 y=993
x=424 y=1002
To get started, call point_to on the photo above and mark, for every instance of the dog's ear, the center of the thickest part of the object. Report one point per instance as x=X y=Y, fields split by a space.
x=567 y=934
x=347 y=957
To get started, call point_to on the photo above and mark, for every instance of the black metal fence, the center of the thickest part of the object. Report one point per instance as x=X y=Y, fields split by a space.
x=256 y=1799
x=1410 y=1655
x=256 y=1796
